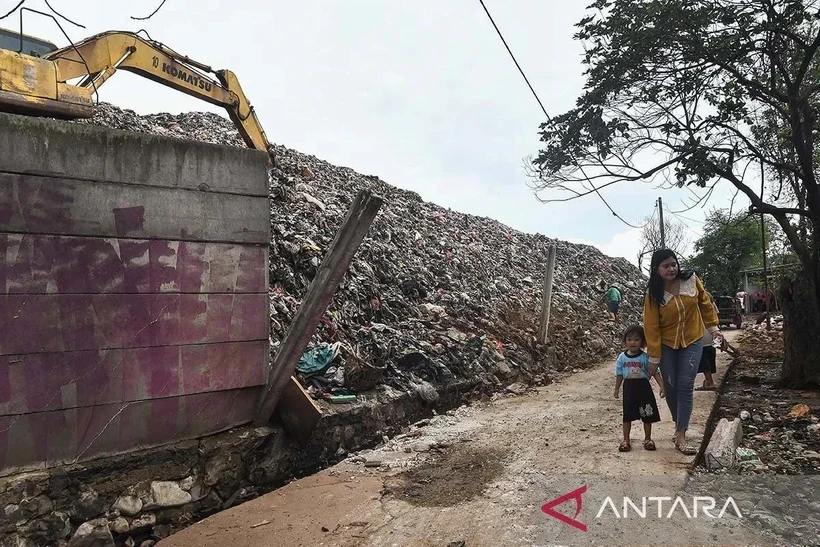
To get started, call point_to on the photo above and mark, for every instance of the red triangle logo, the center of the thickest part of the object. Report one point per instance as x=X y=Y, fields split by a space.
x=579 y=503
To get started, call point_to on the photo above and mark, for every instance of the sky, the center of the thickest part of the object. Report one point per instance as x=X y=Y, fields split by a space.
x=422 y=94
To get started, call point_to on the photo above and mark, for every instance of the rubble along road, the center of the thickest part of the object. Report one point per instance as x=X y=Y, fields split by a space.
x=480 y=475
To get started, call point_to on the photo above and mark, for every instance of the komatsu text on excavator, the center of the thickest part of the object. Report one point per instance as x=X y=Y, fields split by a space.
x=34 y=76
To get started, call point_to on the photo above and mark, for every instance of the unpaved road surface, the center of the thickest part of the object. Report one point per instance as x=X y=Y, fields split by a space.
x=480 y=475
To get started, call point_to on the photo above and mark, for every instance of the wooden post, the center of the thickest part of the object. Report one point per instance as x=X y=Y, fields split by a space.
x=328 y=277
x=546 y=298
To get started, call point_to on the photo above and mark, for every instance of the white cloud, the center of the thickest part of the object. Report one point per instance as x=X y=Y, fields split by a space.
x=625 y=245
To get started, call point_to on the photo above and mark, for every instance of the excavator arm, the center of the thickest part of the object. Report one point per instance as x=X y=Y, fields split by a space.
x=97 y=58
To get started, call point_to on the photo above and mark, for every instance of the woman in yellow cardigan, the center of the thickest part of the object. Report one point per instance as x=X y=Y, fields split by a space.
x=676 y=309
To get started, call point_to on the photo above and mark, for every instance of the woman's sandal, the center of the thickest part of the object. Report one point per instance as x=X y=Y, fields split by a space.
x=687 y=449
x=624 y=447
x=649 y=444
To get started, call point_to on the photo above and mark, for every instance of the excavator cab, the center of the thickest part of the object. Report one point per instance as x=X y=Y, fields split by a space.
x=35 y=47
x=30 y=84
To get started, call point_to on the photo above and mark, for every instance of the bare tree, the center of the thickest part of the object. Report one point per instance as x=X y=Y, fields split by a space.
x=674 y=234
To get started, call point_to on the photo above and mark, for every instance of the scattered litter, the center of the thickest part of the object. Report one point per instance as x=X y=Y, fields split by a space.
x=746 y=455
x=780 y=426
x=339 y=399
x=798 y=411
x=318 y=358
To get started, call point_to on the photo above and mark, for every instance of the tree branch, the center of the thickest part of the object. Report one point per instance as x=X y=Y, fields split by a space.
x=797 y=244
x=809 y=57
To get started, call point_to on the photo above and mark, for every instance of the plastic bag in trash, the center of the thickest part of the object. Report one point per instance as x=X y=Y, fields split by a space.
x=426 y=391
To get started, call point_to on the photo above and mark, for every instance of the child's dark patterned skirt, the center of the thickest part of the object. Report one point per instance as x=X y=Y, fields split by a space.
x=639 y=401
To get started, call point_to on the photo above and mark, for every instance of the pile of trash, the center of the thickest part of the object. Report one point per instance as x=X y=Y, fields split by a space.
x=781 y=440
x=761 y=343
x=432 y=294
x=781 y=427
x=776 y=321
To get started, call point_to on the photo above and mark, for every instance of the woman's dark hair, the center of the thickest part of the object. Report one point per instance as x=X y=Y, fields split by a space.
x=635 y=329
x=655 y=287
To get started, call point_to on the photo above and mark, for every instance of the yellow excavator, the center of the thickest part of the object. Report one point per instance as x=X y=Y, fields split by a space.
x=34 y=76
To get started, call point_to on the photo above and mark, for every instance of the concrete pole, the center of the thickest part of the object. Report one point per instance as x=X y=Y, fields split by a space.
x=663 y=228
x=546 y=298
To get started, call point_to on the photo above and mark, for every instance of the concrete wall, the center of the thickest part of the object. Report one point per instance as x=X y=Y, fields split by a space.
x=213 y=473
x=133 y=290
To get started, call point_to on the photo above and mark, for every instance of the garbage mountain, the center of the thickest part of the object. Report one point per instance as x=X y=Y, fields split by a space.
x=433 y=295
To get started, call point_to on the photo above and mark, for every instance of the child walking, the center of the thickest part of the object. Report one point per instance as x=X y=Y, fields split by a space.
x=632 y=370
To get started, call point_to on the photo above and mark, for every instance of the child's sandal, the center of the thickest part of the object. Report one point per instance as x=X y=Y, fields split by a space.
x=624 y=447
x=649 y=444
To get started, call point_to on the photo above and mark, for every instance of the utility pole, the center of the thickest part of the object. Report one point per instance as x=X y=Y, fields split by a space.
x=660 y=215
x=763 y=247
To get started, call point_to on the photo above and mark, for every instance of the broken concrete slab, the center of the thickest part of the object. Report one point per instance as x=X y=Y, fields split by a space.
x=720 y=452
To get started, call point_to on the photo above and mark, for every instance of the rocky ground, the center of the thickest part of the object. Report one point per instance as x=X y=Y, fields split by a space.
x=479 y=476
x=777 y=470
x=781 y=427
x=432 y=294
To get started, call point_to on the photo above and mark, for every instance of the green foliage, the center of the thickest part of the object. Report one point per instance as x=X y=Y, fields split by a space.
x=729 y=245
x=691 y=93
x=694 y=92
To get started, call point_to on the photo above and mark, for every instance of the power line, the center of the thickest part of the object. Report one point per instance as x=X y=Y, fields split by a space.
x=63 y=16
x=684 y=224
x=652 y=216
x=13 y=9
x=534 y=94
x=699 y=200
x=544 y=110
x=689 y=219
x=152 y=13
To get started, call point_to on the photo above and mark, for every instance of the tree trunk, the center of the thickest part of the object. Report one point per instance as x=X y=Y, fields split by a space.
x=801 y=330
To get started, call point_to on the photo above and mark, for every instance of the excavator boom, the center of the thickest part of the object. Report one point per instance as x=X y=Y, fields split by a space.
x=95 y=59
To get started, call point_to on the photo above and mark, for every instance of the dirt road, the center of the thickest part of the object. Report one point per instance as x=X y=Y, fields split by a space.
x=481 y=475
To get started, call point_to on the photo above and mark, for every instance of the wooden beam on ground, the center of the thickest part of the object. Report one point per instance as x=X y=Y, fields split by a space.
x=546 y=297
x=328 y=277
x=297 y=411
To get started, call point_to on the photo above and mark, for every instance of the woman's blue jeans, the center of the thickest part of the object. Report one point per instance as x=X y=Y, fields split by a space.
x=679 y=367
